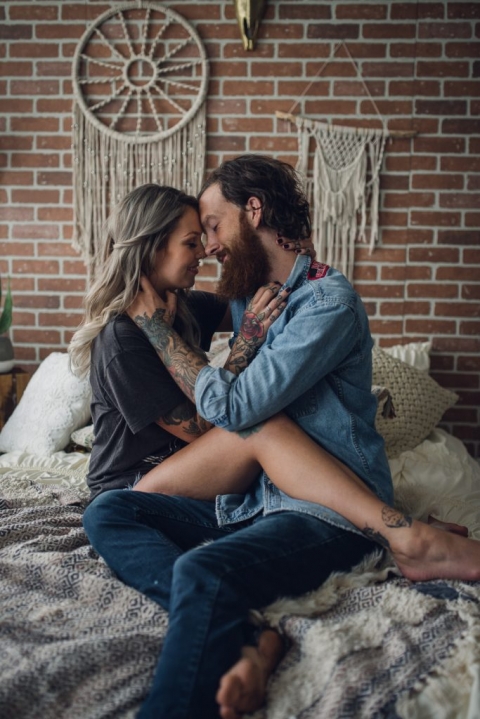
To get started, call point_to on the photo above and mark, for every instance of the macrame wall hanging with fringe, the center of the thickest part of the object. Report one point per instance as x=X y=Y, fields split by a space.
x=140 y=77
x=343 y=188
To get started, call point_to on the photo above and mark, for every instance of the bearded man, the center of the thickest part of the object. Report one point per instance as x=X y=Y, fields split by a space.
x=315 y=366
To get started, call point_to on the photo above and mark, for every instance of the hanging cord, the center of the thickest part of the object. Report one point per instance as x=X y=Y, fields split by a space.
x=289 y=116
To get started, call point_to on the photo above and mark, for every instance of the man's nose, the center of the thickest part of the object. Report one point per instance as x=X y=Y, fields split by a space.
x=212 y=246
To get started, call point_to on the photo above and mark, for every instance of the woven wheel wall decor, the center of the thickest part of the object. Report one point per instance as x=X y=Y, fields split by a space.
x=140 y=78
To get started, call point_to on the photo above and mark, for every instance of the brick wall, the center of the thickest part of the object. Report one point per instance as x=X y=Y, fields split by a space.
x=421 y=62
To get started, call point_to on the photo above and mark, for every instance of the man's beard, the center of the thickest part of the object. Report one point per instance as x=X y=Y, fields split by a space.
x=247 y=267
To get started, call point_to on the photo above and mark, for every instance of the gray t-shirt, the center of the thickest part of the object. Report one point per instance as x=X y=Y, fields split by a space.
x=131 y=390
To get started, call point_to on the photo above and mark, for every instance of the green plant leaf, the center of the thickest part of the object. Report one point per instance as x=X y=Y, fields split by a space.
x=6 y=316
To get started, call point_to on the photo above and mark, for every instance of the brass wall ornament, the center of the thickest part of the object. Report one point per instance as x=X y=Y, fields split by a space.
x=249 y=15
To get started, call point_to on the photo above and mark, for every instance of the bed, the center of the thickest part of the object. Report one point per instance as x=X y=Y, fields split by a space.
x=77 y=643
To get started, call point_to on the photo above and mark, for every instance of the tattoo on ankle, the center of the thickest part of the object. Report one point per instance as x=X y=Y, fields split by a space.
x=394 y=519
x=246 y=433
x=376 y=537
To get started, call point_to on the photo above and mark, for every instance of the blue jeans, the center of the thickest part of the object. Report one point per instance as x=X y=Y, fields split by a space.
x=151 y=541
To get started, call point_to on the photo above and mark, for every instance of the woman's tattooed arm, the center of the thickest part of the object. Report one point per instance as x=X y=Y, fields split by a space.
x=182 y=362
x=184 y=422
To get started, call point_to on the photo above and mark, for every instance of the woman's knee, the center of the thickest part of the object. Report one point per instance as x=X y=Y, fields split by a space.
x=103 y=511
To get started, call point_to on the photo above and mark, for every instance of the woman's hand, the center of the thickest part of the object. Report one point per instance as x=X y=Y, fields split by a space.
x=147 y=302
x=263 y=309
x=300 y=247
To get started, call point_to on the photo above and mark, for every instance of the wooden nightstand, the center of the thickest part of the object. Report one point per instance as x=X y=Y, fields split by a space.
x=12 y=386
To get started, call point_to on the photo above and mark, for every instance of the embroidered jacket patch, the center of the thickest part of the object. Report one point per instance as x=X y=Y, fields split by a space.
x=317 y=271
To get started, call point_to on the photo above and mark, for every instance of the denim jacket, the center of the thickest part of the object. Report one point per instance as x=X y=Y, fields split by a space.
x=316 y=366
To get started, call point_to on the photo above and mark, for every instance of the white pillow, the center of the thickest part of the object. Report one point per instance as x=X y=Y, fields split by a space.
x=439 y=477
x=54 y=404
x=416 y=354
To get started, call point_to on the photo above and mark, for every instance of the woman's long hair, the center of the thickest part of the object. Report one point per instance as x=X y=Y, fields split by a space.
x=138 y=227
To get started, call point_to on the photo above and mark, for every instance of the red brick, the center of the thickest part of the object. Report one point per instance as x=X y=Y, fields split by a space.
x=388 y=69
x=229 y=142
x=443 y=254
x=333 y=31
x=386 y=327
x=461 y=88
x=16 y=214
x=429 y=326
x=456 y=381
x=412 y=11
x=34 y=49
x=467 y=363
x=58 y=319
x=457 y=344
x=57 y=249
x=16 y=69
x=458 y=309
x=31 y=267
x=34 y=232
x=247 y=124
x=54 y=178
x=30 y=159
x=416 y=50
x=53 y=142
x=462 y=49
x=457 y=200
x=457 y=274
x=38 y=301
x=408 y=199
x=59 y=31
x=273 y=144
x=471 y=292
x=34 y=124
x=442 y=69
x=33 y=336
x=458 y=237
x=61 y=284
x=404 y=308
x=393 y=290
x=365 y=272
x=34 y=87
x=15 y=32
x=470 y=328
x=472 y=219
x=30 y=12
x=463 y=10
x=435 y=218
x=460 y=164
x=439 y=145
x=457 y=126
x=16 y=142
x=387 y=31
x=438 y=181
x=54 y=69
x=73 y=268
x=16 y=177
x=433 y=290
x=25 y=249
x=309 y=11
x=32 y=196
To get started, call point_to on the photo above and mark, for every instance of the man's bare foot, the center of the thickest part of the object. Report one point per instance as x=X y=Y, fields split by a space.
x=242 y=689
x=448 y=526
x=423 y=552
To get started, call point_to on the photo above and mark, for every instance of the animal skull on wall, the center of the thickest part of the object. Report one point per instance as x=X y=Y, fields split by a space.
x=249 y=14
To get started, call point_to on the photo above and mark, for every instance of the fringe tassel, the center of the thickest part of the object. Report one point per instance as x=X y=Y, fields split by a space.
x=105 y=169
x=338 y=191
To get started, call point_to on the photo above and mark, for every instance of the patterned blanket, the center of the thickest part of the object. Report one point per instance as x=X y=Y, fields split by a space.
x=78 y=644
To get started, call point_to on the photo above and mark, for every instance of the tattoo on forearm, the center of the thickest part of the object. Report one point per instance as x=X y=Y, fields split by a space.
x=185 y=415
x=246 y=433
x=182 y=362
x=393 y=519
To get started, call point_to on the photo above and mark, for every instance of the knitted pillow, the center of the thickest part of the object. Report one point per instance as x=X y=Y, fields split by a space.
x=419 y=402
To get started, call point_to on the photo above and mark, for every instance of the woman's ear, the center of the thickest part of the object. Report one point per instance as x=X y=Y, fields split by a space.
x=254 y=209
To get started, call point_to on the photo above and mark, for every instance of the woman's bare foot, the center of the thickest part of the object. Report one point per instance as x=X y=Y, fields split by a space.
x=242 y=689
x=423 y=552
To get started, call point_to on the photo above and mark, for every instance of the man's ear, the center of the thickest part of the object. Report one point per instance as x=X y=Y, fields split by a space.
x=254 y=210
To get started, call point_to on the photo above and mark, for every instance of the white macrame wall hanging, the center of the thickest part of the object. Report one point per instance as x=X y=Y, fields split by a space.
x=343 y=188
x=140 y=77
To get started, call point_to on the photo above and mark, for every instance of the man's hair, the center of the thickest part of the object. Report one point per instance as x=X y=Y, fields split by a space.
x=285 y=208
x=138 y=227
